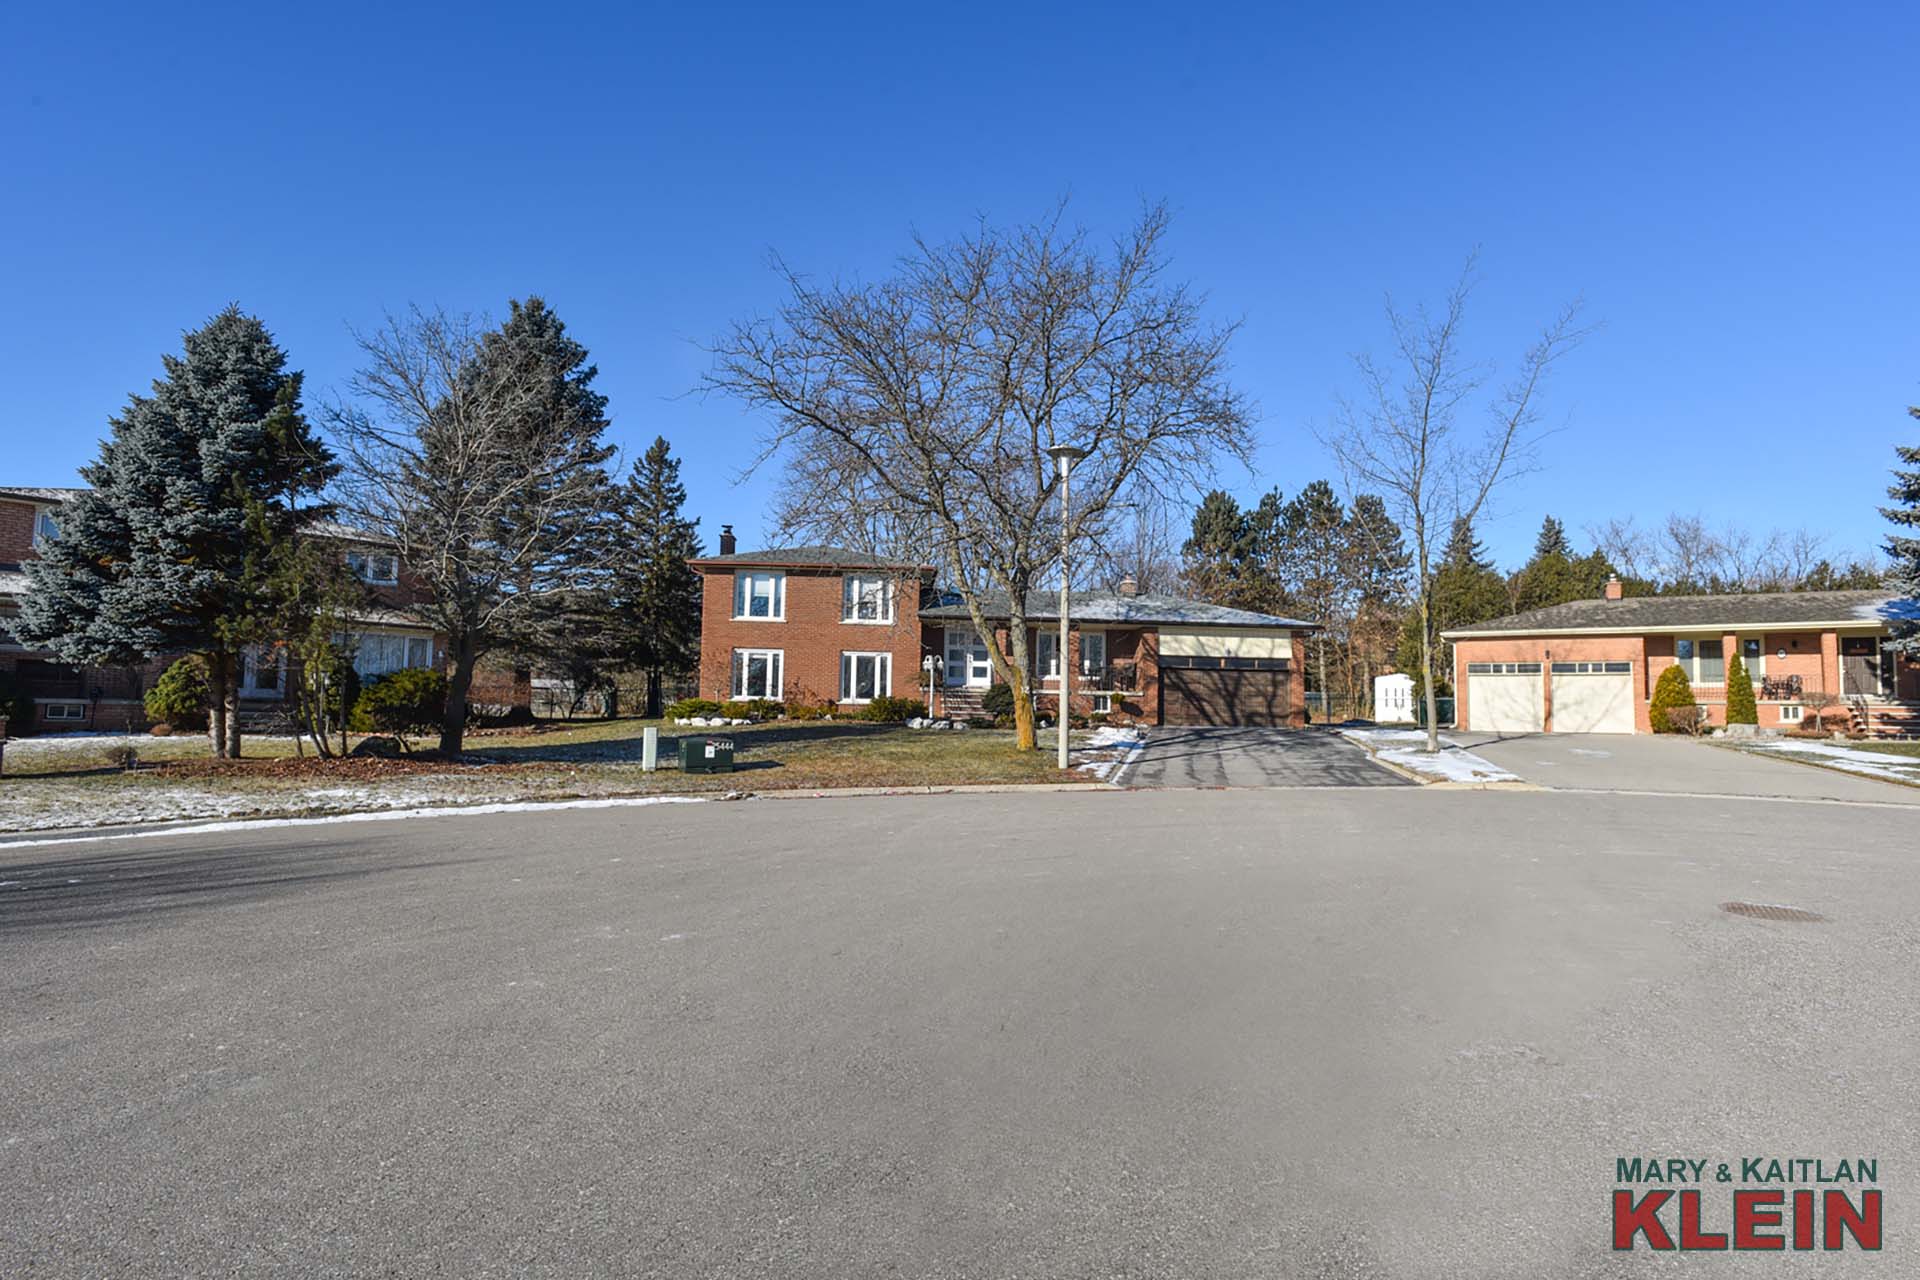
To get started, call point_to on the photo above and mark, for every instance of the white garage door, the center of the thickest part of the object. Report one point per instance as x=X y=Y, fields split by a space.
x=1505 y=697
x=1593 y=697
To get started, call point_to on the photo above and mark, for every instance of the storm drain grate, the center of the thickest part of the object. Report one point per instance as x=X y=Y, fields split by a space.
x=1769 y=911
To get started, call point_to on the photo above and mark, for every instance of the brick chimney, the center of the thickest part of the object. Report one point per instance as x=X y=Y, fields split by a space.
x=1614 y=589
x=1129 y=586
x=727 y=543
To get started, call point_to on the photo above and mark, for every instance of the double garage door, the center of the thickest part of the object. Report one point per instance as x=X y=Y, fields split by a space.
x=1229 y=696
x=1588 y=697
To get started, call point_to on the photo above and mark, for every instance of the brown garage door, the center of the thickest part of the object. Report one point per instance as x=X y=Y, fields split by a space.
x=1198 y=695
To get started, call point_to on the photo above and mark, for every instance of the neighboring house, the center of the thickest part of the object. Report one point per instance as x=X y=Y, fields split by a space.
x=1590 y=666
x=385 y=635
x=819 y=625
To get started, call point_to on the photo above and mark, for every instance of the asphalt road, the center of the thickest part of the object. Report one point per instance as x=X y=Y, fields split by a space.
x=1340 y=1033
x=1246 y=757
x=1649 y=762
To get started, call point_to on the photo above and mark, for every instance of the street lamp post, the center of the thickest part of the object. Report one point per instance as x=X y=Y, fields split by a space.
x=1066 y=455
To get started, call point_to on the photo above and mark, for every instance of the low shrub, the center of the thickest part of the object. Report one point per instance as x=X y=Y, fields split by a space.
x=410 y=702
x=686 y=708
x=893 y=710
x=1671 y=692
x=751 y=709
x=810 y=711
x=997 y=700
x=120 y=757
x=179 y=697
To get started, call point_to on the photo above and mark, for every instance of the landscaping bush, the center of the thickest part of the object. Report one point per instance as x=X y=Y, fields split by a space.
x=121 y=757
x=752 y=709
x=997 y=700
x=1671 y=692
x=179 y=697
x=811 y=711
x=894 y=710
x=687 y=708
x=1741 y=708
x=409 y=702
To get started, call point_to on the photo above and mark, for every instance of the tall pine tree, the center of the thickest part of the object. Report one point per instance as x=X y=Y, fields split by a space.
x=1214 y=557
x=1378 y=566
x=1465 y=589
x=1904 y=548
x=160 y=556
x=1555 y=575
x=1315 y=526
x=656 y=594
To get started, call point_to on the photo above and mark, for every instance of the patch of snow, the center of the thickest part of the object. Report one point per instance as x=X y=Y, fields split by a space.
x=1866 y=763
x=1119 y=747
x=385 y=815
x=1405 y=748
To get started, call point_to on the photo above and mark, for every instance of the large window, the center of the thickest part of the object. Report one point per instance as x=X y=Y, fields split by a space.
x=1093 y=654
x=757 y=672
x=1753 y=655
x=1703 y=658
x=381 y=568
x=865 y=676
x=866 y=599
x=760 y=595
x=379 y=653
x=263 y=672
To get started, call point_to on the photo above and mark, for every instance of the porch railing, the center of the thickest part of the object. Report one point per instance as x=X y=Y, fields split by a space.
x=1781 y=688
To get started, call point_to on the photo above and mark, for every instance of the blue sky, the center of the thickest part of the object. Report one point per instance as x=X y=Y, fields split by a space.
x=1732 y=190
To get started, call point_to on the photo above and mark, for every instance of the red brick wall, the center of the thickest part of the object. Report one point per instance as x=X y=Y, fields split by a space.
x=16 y=531
x=812 y=636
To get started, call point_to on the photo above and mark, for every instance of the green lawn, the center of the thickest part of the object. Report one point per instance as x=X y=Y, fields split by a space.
x=58 y=782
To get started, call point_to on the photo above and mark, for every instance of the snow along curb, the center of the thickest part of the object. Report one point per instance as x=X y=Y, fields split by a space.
x=1453 y=768
x=75 y=836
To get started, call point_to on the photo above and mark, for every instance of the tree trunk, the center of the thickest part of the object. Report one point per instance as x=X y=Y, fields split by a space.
x=653 y=709
x=453 y=728
x=1426 y=661
x=1023 y=736
x=233 y=715
x=217 y=702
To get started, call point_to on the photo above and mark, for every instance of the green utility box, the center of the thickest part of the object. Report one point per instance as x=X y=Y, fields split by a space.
x=706 y=755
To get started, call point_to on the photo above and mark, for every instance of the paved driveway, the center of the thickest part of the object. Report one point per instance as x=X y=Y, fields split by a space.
x=1649 y=762
x=1228 y=757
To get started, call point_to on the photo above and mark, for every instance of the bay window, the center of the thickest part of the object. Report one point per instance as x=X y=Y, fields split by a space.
x=760 y=594
x=757 y=673
x=865 y=676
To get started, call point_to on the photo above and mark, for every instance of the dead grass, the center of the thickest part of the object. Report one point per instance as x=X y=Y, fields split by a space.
x=65 y=784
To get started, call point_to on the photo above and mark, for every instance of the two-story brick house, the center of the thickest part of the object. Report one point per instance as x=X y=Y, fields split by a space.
x=825 y=625
x=385 y=634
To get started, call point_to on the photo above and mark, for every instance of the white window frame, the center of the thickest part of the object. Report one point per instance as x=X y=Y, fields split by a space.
x=1102 y=704
x=1098 y=639
x=57 y=711
x=850 y=661
x=1756 y=665
x=776 y=674
x=747 y=589
x=250 y=672
x=1792 y=713
x=1692 y=661
x=857 y=590
x=361 y=565
x=45 y=528
x=370 y=661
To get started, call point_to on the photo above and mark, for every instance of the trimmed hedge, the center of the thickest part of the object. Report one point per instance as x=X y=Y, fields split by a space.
x=1672 y=691
x=1741 y=707
x=893 y=710
x=687 y=708
x=752 y=709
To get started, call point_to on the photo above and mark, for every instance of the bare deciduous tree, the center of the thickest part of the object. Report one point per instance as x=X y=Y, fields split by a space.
x=924 y=405
x=1138 y=543
x=1684 y=554
x=478 y=455
x=1404 y=438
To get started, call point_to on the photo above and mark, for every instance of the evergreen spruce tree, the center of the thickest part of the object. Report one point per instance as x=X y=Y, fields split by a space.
x=1377 y=568
x=1466 y=588
x=159 y=556
x=1555 y=575
x=1552 y=541
x=1215 y=555
x=1314 y=528
x=1904 y=548
x=655 y=593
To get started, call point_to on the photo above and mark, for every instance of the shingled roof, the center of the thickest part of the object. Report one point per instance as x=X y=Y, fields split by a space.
x=1113 y=607
x=809 y=558
x=1701 y=613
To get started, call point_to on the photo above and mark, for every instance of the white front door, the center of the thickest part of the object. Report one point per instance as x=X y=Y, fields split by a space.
x=968 y=666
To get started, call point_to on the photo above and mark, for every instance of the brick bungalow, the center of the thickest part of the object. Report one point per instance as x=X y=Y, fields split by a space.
x=387 y=636
x=820 y=625
x=1589 y=666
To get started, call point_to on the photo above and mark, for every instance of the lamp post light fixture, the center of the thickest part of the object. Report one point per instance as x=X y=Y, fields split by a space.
x=1065 y=455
